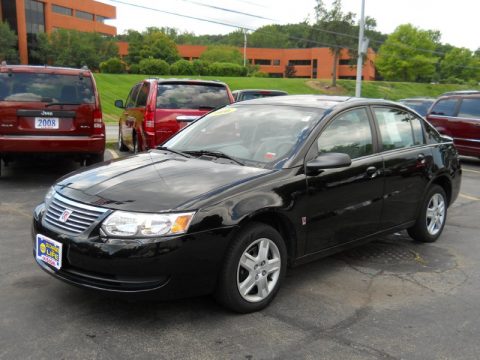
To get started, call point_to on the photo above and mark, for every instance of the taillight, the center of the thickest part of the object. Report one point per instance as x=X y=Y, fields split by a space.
x=149 y=127
x=98 y=124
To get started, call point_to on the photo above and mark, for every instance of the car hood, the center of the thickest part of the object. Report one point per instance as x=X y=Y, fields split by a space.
x=154 y=182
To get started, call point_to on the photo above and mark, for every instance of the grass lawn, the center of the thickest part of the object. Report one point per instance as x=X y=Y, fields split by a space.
x=117 y=86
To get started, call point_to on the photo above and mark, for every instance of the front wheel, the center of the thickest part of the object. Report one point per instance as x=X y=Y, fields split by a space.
x=121 y=145
x=432 y=218
x=253 y=270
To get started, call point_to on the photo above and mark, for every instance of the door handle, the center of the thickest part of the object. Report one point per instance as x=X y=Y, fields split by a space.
x=421 y=158
x=372 y=171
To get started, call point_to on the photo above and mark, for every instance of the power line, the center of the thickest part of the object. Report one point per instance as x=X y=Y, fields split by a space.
x=227 y=10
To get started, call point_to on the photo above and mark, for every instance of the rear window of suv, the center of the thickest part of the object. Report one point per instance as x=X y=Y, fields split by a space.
x=191 y=96
x=35 y=87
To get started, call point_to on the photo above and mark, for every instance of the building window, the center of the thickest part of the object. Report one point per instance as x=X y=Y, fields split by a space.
x=275 y=75
x=276 y=62
x=345 y=62
x=263 y=62
x=62 y=10
x=8 y=12
x=83 y=15
x=100 y=19
x=34 y=16
x=299 y=62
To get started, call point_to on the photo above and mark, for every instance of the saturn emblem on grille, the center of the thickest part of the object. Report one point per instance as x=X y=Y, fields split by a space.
x=65 y=215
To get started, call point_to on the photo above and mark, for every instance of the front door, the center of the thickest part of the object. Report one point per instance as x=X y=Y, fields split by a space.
x=345 y=204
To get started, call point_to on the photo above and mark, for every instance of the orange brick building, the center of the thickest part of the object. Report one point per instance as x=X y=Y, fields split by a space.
x=315 y=63
x=30 y=17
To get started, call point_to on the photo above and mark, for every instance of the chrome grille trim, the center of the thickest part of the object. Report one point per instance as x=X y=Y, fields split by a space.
x=82 y=217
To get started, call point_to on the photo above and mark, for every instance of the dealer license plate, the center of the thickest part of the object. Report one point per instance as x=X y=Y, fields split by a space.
x=49 y=251
x=46 y=123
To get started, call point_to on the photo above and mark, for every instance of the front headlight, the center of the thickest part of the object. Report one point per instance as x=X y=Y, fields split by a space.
x=129 y=224
x=49 y=194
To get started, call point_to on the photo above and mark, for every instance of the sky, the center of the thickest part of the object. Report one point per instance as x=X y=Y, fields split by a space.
x=456 y=20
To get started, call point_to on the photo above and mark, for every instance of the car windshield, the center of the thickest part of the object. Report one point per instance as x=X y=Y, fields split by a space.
x=191 y=96
x=252 y=134
x=51 y=88
x=418 y=106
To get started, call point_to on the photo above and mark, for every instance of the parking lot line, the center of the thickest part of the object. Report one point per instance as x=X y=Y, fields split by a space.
x=113 y=153
x=470 y=197
x=470 y=170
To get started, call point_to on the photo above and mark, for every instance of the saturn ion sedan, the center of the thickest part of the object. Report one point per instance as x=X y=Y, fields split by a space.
x=231 y=201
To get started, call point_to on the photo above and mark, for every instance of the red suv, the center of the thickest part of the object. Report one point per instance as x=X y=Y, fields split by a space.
x=156 y=109
x=458 y=116
x=47 y=109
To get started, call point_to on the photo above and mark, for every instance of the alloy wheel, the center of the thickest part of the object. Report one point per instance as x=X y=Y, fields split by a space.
x=435 y=214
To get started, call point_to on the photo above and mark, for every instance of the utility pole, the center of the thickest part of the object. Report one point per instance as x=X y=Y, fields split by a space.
x=244 y=47
x=361 y=46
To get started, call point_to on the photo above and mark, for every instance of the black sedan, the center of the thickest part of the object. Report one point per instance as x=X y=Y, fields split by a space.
x=226 y=204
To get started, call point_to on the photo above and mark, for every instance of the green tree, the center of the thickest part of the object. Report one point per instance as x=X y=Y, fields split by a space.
x=113 y=66
x=409 y=54
x=152 y=66
x=460 y=63
x=74 y=49
x=152 y=43
x=222 y=54
x=8 y=44
x=182 y=67
x=337 y=30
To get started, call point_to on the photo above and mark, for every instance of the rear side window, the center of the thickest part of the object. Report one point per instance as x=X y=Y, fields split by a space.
x=445 y=107
x=31 y=87
x=470 y=108
x=132 y=97
x=143 y=95
x=398 y=129
x=191 y=96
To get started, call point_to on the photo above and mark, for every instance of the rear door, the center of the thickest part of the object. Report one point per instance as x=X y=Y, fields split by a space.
x=46 y=104
x=127 y=119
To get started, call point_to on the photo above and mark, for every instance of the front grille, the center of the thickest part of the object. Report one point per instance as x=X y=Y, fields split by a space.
x=81 y=216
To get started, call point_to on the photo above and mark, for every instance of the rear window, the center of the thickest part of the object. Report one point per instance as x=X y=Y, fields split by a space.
x=31 y=87
x=191 y=96
x=470 y=108
x=445 y=107
x=257 y=95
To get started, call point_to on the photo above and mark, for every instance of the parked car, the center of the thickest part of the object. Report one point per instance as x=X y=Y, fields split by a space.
x=458 y=116
x=420 y=105
x=233 y=198
x=156 y=109
x=45 y=110
x=461 y=92
x=250 y=94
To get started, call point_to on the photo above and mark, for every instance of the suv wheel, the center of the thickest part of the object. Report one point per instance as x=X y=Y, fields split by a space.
x=432 y=218
x=253 y=270
x=121 y=145
x=135 y=143
x=93 y=159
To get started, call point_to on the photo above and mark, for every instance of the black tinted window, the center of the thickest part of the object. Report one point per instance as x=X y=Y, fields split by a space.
x=143 y=95
x=398 y=129
x=445 y=107
x=349 y=133
x=30 y=87
x=191 y=96
x=470 y=108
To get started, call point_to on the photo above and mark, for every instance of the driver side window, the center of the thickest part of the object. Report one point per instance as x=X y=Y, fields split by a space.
x=348 y=133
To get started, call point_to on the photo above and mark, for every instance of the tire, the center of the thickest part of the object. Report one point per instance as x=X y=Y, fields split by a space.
x=250 y=278
x=121 y=146
x=93 y=159
x=432 y=217
x=135 y=143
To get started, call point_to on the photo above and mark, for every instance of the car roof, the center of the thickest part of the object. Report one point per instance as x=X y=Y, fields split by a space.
x=315 y=101
x=187 y=81
x=461 y=92
x=418 y=99
x=43 y=69
x=259 y=90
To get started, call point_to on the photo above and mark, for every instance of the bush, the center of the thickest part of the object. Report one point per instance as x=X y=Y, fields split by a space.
x=227 y=69
x=134 y=69
x=152 y=66
x=259 y=74
x=112 y=66
x=201 y=67
x=181 y=67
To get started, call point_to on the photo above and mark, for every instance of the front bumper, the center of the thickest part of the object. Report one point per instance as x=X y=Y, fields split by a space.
x=169 y=268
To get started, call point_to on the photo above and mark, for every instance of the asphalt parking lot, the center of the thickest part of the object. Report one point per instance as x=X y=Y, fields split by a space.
x=390 y=299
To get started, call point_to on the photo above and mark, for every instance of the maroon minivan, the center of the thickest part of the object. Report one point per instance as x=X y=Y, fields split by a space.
x=156 y=109
x=46 y=110
x=458 y=116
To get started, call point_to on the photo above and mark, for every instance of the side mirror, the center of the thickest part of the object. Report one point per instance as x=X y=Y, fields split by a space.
x=119 y=104
x=329 y=161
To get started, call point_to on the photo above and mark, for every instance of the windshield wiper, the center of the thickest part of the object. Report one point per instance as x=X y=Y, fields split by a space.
x=62 y=103
x=172 y=151
x=217 y=154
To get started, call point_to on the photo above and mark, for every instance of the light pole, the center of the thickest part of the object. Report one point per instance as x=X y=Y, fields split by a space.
x=244 y=47
x=361 y=47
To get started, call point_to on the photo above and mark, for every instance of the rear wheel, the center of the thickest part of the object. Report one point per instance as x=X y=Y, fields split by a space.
x=121 y=145
x=432 y=218
x=135 y=143
x=253 y=270
x=93 y=159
